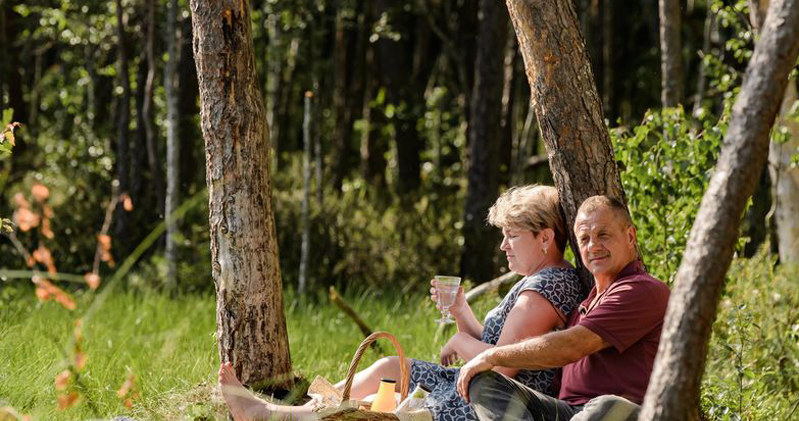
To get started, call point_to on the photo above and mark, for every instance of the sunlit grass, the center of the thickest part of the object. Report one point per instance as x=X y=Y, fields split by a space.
x=170 y=346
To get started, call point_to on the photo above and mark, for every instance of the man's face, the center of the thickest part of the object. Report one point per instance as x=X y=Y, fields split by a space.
x=606 y=242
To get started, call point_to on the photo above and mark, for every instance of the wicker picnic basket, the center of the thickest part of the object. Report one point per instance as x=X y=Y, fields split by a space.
x=350 y=410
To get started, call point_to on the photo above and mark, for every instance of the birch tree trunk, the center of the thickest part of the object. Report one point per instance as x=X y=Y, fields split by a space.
x=673 y=392
x=785 y=182
x=566 y=103
x=670 y=52
x=172 y=142
x=306 y=194
x=251 y=325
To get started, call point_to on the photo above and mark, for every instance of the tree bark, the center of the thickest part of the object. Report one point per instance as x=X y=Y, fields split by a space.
x=670 y=52
x=783 y=177
x=673 y=392
x=251 y=325
x=785 y=183
x=341 y=111
x=483 y=133
x=306 y=195
x=123 y=119
x=172 y=142
x=566 y=103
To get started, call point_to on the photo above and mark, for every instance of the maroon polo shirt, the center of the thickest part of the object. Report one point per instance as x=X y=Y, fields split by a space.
x=629 y=316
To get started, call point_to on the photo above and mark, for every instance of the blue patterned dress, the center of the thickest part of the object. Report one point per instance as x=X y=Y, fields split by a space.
x=558 y=285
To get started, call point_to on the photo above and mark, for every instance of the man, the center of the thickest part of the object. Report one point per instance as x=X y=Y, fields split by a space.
x=608 y=350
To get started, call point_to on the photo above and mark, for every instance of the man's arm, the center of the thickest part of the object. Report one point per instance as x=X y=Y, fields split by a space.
x=554 y=349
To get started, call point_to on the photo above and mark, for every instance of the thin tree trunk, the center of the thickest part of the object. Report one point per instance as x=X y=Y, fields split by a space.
x=3 y=53
x=191 y=175
x=373 y=145
x=608 y=49
x=306 y=195
x=701 y=79
x=785 y=183
x=508 y=107
x=172 y=142
x=139 y=150
x=673 y=392
x=251 y=325
x=567 y=106
x=147 y=111
x=480 y=240
x=123 y=118
x=670 y=52
x=341 y=115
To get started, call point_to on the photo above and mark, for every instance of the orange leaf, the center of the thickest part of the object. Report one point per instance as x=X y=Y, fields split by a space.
x=92 y=279
x=67 y=400
x=127 y=386
x=50 y=291
x=80 y=360
x=19 y=200
x=127 y=202
x=78 y=333
x=43 y=256
x=26 y=219
x=40 y=192
x=42 y=294
x=62 y=380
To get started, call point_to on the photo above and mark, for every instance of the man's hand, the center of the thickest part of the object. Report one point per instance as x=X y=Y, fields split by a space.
x=477 y=365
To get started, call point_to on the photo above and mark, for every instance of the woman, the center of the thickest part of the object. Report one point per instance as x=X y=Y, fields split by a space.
x=534 y=238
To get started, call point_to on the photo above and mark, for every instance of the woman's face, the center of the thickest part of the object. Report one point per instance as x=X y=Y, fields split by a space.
x=523 y=250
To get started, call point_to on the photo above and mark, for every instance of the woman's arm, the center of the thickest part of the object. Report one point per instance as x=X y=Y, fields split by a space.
x=531 y=316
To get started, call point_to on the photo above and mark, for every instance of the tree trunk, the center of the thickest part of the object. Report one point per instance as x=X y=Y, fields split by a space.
x=139 y=151
x=192 y=175
x=251 y=325
x=3 y=53
x=508 y=106
x=306 y=195
x=373 y=144
x=123 y=119
x=783 y=176
x=483 y=133
x=673 y=392
x=172 y=142
x=567 y=106
x=342 y=124
x=670 y=52
x=153 y=160
x=785 y=182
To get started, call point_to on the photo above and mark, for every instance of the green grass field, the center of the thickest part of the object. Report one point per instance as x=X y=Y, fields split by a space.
x=170 y=346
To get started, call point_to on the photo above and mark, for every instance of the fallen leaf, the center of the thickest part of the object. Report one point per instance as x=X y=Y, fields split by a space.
x=80 y=360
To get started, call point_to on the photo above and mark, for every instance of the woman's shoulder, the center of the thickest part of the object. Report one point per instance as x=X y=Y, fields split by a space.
x=568 y=274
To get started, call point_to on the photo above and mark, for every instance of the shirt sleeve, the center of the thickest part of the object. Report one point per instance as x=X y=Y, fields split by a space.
x=562 y=288
x=627 y=313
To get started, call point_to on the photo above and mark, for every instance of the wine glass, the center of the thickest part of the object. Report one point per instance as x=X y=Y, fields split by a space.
x=446 y=290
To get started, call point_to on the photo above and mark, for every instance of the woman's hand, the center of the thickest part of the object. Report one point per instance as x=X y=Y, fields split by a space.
x=460 y=300
x=449 y=355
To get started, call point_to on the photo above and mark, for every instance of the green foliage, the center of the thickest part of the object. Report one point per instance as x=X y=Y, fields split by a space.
x=752 y=370
x=666 y=165
x=364 y=239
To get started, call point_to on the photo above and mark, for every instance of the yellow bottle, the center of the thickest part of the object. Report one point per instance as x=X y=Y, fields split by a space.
x=385 y=400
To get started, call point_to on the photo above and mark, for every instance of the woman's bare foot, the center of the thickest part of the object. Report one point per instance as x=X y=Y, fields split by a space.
x=242 y=404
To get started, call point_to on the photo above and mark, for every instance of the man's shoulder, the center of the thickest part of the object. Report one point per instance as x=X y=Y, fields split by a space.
x=642 y=282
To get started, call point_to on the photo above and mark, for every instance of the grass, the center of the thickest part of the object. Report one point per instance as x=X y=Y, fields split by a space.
x=752 y=369
x=170 y=346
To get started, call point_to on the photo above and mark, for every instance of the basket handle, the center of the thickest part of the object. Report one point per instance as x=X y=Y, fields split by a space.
x=404 y=373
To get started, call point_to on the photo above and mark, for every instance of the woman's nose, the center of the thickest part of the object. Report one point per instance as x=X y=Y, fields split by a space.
x=505 y=244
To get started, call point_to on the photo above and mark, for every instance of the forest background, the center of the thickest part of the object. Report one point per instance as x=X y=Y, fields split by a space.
x=383 y=167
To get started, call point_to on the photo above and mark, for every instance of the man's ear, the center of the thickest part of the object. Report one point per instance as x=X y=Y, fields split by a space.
x=632 y=237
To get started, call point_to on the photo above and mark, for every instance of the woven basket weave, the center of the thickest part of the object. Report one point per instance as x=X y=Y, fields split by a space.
x=347 y=412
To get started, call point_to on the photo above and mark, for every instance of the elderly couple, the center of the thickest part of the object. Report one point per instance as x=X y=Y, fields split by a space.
x=543 y=353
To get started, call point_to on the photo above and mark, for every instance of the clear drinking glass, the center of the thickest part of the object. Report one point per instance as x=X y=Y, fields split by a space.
x=447 y=290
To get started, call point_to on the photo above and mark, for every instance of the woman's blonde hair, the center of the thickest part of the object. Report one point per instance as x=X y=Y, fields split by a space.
x=531 y=207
